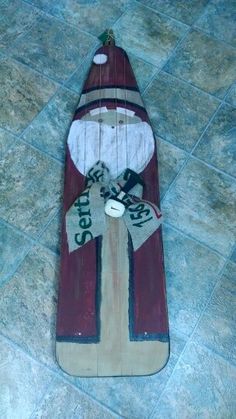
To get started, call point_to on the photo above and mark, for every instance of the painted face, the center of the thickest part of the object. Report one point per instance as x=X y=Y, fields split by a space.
x=117 y=137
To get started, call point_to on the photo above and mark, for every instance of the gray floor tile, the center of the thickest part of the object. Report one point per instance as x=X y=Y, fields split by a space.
x=186 y=11
x=231 y=96
x=218 y=20
x=202 y=203
x=217 y=328
x=49 y=129
x=132 y=397
x=189 y=283
x=195 y=61
x=6 y=140
x=218 y=145
x=170 y=161
x=93 y=16
x=148 y=35
x=143 y=72
x=28 y=301
x=18 y=19
x=31 y=188
x=41 y=4
x=76 y=81
x=53 y=48
x=22 y=381
x=64 y=401
x=178 y=112
x=52 y=235
x=13 y=248
x=202 y=386
x=233 y=256
x=23 y=94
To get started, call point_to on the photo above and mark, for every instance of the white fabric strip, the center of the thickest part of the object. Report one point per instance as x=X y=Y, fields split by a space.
x=98 y=110
x=111 y=93
x=127 y=112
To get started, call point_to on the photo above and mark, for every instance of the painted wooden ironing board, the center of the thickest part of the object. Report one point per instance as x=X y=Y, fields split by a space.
x=112 y=315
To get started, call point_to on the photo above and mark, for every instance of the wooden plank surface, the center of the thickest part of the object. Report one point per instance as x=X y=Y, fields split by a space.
x=115 y=354
x=112 y=321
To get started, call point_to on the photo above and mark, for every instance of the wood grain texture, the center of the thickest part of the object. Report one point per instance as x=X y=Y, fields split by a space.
x=115 y=354
x=112 y=317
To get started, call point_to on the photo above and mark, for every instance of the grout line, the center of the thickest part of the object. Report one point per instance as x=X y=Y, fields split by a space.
x=48 y=14
x=166 y=61
x=17 y=266
x=62 y=83
x=43 y=397
x=218 y=280
x=232 y=363
x=203 y=244
x=213 y=37
x=58 y=84
x=203 y=346
x=233 y=86
x=206 y=128
x=165 y=140
x=12 y=271
x=211 y=166
x=13 y=227
x=34 y=70
x=226 y=94
x=203 y=11
x=211 y=95
x=85 y=58
x=83 y=62
x=190 y=154
x=190 y=338
x=88 y=33
x=150 y=82
x=32 y=243
x=55 y=372
x=180 y=22
x=83 y=392
x=61 y=86
x=133 y=54
x=192 y=25
x=231 y=253
x=187 y=83
x=24 y=33
x=206 y=246
x=168 y=380
x=45 y=153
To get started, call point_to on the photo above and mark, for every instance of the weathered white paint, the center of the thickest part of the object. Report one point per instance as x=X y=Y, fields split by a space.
x=125 y=111
x=111 y=93
x=119 y=146
x=100 y=59
x=97 y=111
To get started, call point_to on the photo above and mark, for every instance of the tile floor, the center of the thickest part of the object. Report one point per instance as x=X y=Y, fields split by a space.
x=184 y=58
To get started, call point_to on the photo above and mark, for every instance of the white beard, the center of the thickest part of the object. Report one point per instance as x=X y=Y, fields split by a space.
x=121 y=147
